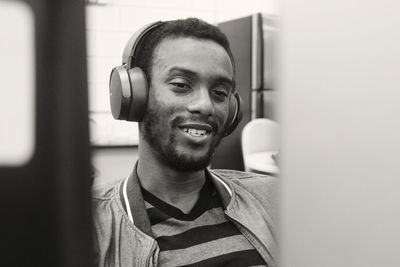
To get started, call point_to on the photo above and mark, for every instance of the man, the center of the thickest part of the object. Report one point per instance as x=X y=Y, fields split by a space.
x=172 y=210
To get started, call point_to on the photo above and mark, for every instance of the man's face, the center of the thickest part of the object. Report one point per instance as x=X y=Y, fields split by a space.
x=191 y=83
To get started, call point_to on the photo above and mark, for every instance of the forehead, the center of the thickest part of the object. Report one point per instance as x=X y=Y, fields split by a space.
x=197 y=54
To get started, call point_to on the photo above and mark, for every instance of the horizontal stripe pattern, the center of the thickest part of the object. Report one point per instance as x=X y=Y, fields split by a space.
x=156 y=216
x=174 y=227
x=197 y=236
x=205 y=200
x=234 y=259
x=203 y=237
x=210 y=250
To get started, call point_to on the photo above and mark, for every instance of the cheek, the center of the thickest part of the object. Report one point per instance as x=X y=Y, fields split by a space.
x=221 y=112
x=155 y=101
x=166 y=104
x=159 y=97
x=162 y=108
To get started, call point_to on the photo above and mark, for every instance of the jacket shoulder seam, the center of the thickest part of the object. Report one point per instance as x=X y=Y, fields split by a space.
x=98 y=194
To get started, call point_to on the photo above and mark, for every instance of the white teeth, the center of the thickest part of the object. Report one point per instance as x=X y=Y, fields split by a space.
x=195 y=132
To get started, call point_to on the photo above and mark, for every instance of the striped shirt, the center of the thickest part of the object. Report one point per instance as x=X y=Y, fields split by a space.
x=202 y=237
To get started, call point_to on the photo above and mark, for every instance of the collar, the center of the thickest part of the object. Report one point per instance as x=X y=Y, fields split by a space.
x=131 y=197
x=132 y=200
x=224 y=189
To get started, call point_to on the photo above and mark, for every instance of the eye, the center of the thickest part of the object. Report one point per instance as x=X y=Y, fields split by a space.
x=181 y=85
x=220 y=93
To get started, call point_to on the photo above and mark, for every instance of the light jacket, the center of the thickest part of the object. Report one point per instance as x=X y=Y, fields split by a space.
x=249 y=200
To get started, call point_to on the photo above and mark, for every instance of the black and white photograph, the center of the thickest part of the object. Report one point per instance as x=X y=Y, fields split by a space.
x=199 y=133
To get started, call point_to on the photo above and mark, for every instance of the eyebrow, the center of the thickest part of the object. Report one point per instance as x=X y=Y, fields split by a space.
x=194 y=75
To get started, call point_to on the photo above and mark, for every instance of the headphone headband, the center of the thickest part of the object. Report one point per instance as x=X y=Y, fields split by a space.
x=130 y=47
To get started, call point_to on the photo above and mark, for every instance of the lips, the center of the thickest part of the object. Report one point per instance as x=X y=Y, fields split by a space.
x=195 y=132
x=198 y=132
x=197 y=128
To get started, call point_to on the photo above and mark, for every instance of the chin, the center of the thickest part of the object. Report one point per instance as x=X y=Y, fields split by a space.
x=189 y=166
x=187 y=162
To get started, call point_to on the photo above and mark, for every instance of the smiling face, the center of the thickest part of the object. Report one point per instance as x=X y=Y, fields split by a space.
x=191 y=82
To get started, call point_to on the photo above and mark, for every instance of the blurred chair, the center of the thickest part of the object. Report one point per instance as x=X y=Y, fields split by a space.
x=260 y=142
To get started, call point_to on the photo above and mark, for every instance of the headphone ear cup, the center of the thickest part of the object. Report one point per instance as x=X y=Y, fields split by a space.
x=128 y=93
x=139 y=90
x=120 y=93
x=234 y=115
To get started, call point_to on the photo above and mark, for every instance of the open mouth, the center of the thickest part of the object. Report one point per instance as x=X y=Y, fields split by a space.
x=195 y=132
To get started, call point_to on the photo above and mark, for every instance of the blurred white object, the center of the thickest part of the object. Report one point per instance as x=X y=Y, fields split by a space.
x=17 y=74
x=260 y=142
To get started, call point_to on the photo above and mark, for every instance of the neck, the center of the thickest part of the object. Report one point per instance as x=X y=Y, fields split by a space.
x=178 y=188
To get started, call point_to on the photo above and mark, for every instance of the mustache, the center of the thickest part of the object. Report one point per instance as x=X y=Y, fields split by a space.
x=201 y=119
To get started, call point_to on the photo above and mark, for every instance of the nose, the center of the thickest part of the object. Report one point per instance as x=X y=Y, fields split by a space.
x=201 y=103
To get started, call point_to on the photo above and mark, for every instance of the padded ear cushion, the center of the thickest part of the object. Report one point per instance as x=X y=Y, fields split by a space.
x=128 y=93
x=234 y=115
x=139 y=90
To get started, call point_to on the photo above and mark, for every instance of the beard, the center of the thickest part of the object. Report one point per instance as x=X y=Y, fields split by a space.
x=168 y=153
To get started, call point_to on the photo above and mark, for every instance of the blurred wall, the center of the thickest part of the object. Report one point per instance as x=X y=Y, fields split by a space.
x=340 y=140
x=111 y=24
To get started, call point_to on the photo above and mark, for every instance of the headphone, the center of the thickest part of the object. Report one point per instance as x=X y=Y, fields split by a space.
x=129 y=89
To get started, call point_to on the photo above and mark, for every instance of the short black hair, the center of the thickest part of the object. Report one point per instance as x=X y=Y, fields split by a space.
x=190 y=27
